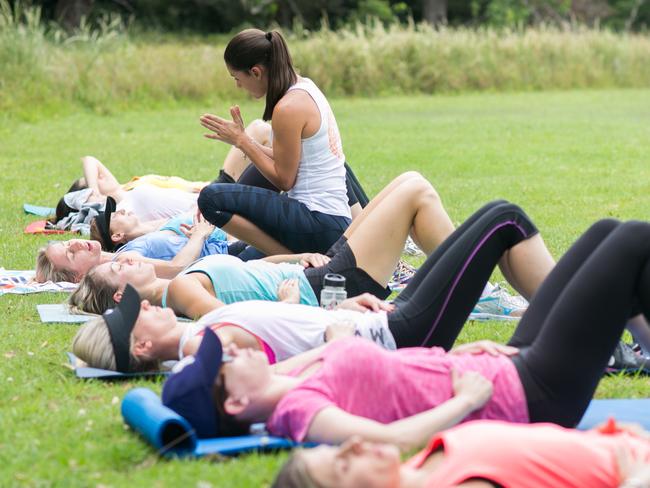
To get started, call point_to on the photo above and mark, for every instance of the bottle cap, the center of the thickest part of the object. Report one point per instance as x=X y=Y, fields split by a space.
x=334 y=280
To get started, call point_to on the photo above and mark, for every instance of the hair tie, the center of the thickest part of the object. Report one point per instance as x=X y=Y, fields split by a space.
x=269 y=36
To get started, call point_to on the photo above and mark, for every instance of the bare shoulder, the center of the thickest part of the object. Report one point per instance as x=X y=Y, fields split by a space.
x=295 y=103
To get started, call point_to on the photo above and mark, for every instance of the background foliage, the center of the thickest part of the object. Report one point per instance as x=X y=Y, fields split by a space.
x=225 y=15
x=107 y=66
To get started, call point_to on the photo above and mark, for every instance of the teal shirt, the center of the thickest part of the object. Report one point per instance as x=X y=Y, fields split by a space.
x=236 y=281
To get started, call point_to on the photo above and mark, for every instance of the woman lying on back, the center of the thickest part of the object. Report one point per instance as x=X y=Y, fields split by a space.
x=444 y=289
x=483 y=454
x=547 y=373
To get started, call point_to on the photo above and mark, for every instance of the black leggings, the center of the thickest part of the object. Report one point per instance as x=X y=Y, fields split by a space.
x=433 y=308
x=576 y=318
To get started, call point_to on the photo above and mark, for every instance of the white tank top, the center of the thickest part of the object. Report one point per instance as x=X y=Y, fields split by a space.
x=290 y=329
x=151 y=202
x=320 y=183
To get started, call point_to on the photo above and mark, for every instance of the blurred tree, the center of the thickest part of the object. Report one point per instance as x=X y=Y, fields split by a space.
x=69 y=13
x=434 y=11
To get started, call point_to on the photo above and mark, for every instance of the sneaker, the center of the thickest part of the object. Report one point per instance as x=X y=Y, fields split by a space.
x=499 y=304
x=401 y=276
x=411 y=248
x=626 y=360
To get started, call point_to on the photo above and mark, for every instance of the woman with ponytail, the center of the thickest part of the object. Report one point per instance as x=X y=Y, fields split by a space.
x=305 y=160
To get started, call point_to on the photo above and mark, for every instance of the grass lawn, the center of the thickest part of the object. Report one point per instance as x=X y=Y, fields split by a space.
x=567 y=158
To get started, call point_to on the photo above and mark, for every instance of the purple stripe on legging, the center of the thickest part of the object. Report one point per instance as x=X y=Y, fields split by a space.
x=458 y=277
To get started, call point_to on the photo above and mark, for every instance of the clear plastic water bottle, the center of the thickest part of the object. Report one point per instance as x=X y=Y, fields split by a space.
x=333 y=291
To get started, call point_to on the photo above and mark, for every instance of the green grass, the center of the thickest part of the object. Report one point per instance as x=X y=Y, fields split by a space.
x=567 y=158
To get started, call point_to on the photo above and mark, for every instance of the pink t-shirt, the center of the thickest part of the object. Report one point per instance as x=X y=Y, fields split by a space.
x=534 y=456
x=364 y=379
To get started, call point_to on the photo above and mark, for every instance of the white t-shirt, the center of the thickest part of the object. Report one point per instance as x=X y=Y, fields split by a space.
x=290 y=329
x=151 y=202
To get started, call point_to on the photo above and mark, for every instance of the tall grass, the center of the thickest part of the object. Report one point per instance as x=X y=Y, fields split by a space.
x=103 y=69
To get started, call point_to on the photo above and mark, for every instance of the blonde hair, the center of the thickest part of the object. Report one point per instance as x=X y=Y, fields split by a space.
x=92 y=344
x=45 y=270
x=93 y=295
x=294 y=474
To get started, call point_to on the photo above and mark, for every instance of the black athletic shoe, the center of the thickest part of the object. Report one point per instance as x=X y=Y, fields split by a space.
x=625 y=359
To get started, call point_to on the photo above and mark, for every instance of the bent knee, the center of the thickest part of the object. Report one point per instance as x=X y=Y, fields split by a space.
x=259 y=130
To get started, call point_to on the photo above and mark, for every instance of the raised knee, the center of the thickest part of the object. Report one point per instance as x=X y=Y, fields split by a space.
x=604 y=226
x=635 y=229
x=259 y=130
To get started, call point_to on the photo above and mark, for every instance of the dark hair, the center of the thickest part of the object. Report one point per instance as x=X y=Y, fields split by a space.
x=229 y=426
x=62 y=208
x=253 y=46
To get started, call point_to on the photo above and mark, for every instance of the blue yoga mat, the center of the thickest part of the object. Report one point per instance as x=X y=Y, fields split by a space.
x=36 y=210
x=172 y=435
x=85 y=372
x=59 y=313
x=625 y=410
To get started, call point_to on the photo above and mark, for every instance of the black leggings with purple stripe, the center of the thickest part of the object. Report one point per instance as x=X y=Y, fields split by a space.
x=577 y=316
x=433 y=308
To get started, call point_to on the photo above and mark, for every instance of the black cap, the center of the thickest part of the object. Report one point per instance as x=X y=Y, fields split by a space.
x=104 y=225
x=120 y=321
x=188 y=391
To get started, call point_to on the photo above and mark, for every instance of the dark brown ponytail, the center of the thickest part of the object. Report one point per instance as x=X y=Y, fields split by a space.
x=253 y=46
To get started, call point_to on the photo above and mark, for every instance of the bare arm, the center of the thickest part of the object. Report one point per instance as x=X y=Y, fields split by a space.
x=191 y=251
x=299 y=360
x=280 y=164
x=333 y=425
x=99 y=178
x=281 y=168
x=187 y=296
x=187 y=255
x=306 y=259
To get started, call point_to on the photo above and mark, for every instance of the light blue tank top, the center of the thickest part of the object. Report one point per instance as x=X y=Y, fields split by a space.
x=236 y=281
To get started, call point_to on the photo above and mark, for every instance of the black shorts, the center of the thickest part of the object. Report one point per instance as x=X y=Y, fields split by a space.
x=357 y=281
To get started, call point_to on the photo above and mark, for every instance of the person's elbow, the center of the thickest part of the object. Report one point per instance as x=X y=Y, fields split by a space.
x=286 y=183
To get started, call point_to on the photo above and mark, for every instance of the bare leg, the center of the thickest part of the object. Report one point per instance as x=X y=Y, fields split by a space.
x=408 y=204
x=247 y=231
x=355 y=210
x=235 y=162
x=526 y=265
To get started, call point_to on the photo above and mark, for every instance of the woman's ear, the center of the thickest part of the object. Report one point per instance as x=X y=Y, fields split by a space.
x=142 y=348
x=117 y=237
x=233 y=406
x=117 y=296
x=256 y=72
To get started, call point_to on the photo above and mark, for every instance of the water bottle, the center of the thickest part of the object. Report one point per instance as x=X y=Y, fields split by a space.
x=333 y=291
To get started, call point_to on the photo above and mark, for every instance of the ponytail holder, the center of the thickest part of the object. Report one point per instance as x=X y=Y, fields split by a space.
x=269 y=36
